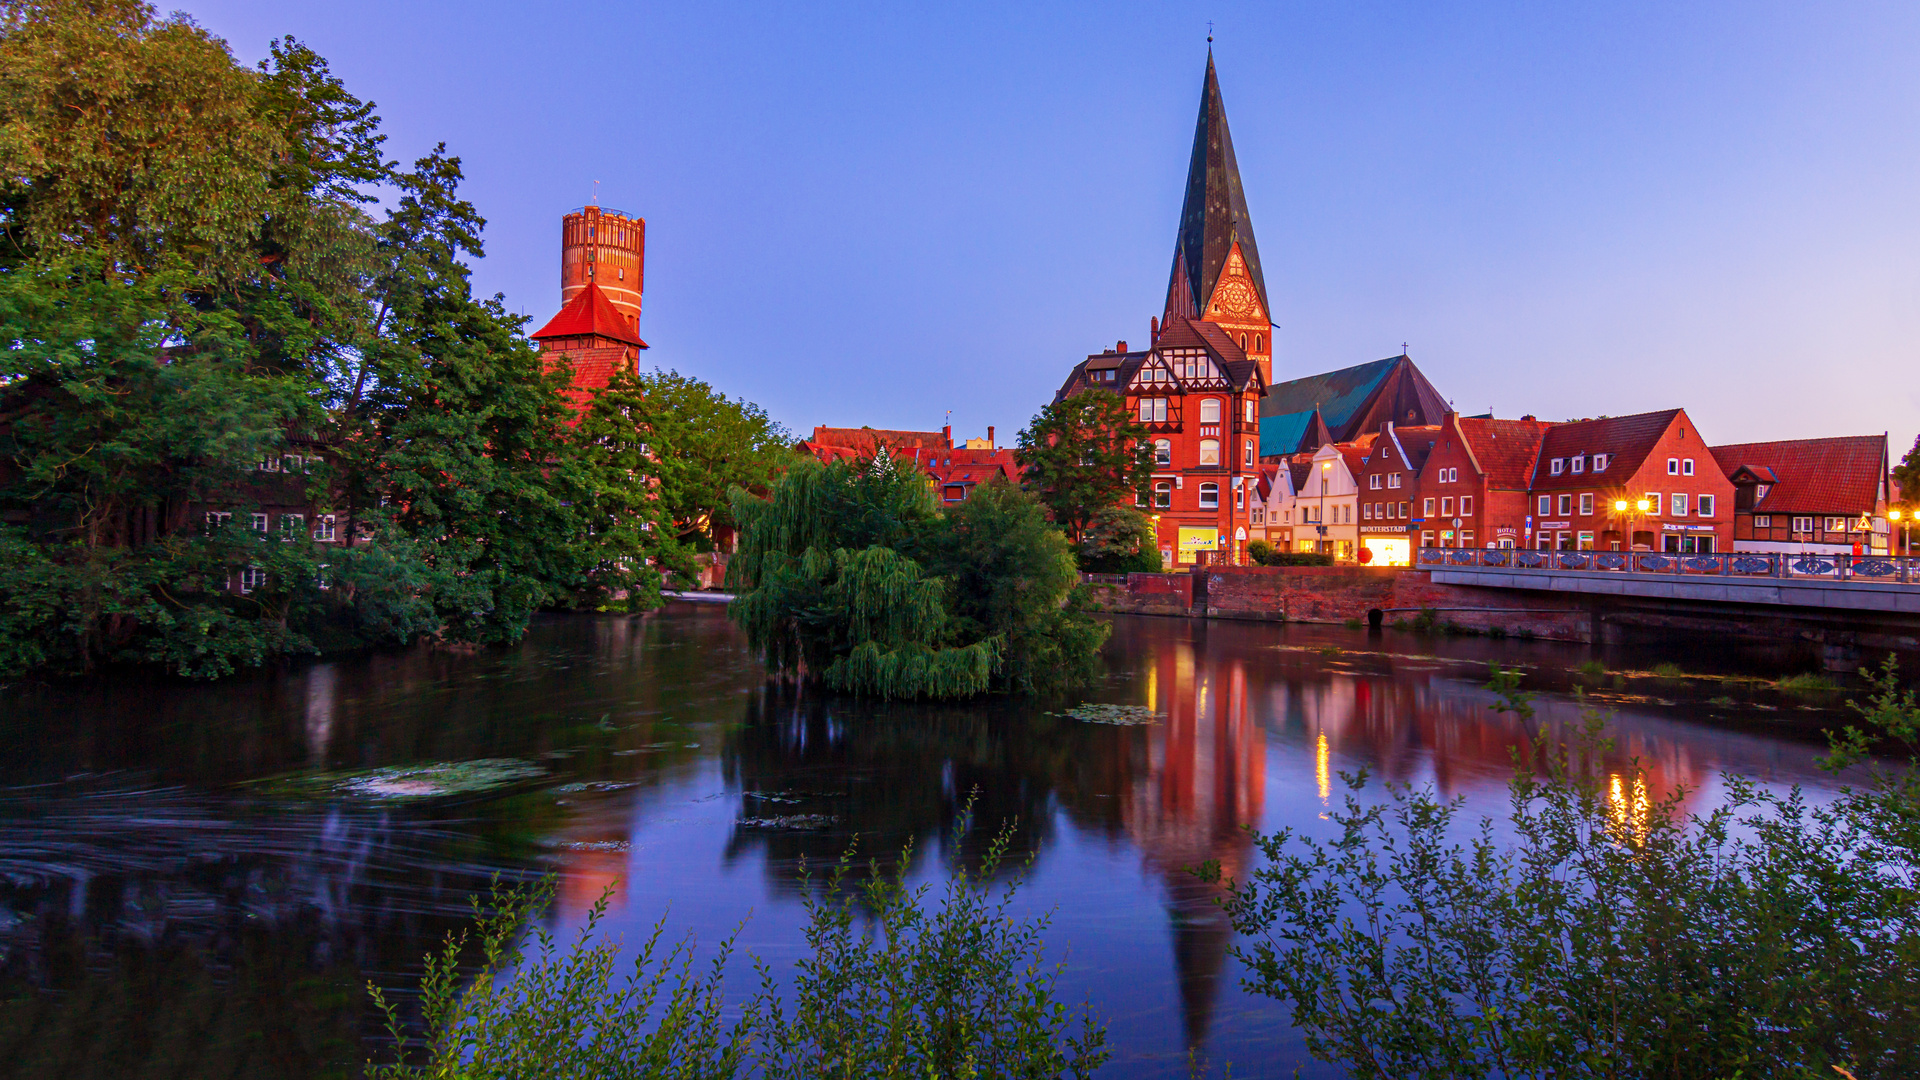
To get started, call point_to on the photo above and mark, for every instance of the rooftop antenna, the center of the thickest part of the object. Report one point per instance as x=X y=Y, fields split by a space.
x=596 y=193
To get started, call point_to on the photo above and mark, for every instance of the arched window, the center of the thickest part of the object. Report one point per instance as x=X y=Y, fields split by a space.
x=1210 y=411
x=1243 y=343
x=1162 y=452
x=1209 y=496
x=1209 y=451
x=1250 y=455
x=1163 y=495
x=1257 y=345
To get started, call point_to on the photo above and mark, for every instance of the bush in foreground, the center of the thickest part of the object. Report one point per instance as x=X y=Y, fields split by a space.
x=892 y=987
x=1614 y=936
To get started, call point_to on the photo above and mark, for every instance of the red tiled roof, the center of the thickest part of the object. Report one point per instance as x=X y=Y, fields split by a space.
x=1505 y=449
x=1814 y=476
x=1626 y=440
x=590 y=314
x=866 y=438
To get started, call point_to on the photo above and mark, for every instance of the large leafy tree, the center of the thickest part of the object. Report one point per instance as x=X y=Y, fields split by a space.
x=848 y=573
x=1084 y=454
x=718 y=443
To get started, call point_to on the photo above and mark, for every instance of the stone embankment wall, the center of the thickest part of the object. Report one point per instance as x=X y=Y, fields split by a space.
x=1340 y=593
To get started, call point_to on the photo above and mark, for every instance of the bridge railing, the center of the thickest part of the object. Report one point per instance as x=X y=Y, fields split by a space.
x=1883 y=569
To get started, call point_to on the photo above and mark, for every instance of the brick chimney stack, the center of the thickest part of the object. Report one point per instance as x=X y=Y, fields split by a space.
x=991 y=445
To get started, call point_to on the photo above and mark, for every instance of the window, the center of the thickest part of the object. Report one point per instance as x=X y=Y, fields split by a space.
x=1163 y=495
x=1259 y=514
x=1673 y=466
x=1579 y=463
x=259 y=523
x=1586 y=504
x=1704 y=506
x=322 y=576
x=1252 y=413
x=217 y=518
x=1803 y=524
x=1466 y=538
x=1366 y=512
x=252 y=578
x=1546 y=505
x=1209 y=496
x=1446 y=506
x=1373 y=482
x=1210 y=411
x=1153 y=410
x=1258 y=346
x=292 y=524
x=1679 y=505
x=1428 y=508
x=1761 y=521
x=1545 y=542
x=1426 y=538
x=1686 y=467
x=1599 y=463
x=1393 y=480
x=1239 y=498
x=1406 y=510
x=1466 y=506
x=1566 y=505
x=1836 y=524
x=1209 y=451
x=1586 y=541
x=1653 y=503
x=1449 y=476
x=1249 y=454
x=271 y=464
x=1557 y=466
x=1162 y=452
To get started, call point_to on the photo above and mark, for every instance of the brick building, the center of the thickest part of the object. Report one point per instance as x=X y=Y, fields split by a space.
x=1388 y=479
x=1474 y=483
x=1585 y=468
x=1197 y=386
x=597 y=330
x=1825 y=495
x=952 y=470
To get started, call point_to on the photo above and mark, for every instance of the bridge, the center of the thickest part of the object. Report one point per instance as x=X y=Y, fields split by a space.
x=1836 y=583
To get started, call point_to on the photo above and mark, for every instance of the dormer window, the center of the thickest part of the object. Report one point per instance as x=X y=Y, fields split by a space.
x=1579 y=464
x=1599 y=463
x=1557 y=466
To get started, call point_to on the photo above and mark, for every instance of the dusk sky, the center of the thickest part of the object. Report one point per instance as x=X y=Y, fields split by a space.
x=874 y=214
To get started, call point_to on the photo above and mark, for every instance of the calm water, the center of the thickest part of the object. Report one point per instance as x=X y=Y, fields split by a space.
x=167 y=909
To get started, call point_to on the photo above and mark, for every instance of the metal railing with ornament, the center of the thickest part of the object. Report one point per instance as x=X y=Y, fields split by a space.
x=1875 y=569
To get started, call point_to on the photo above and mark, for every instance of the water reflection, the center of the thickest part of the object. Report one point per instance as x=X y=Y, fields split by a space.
x=137 y=866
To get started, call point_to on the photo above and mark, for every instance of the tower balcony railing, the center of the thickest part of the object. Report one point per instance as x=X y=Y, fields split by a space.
x=602 y=209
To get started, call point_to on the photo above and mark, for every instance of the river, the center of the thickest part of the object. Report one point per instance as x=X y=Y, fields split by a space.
x=180 y=897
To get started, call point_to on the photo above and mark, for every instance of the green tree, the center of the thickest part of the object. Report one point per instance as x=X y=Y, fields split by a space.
x=1614 y=935
x=1012 y=579
x=718 y=444
x=1083 y=454
x=1907 y=474
x=1120 y=540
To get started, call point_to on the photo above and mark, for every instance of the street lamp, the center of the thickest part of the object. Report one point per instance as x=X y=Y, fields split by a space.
x=1905 y=521
x=1326 y=470
x=1640 y=508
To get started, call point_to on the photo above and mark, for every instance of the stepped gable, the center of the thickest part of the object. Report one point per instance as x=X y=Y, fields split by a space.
x=1213 y=216
x=590 y=314
x=1505 y=450
x=1626 y=440
x=1350 y=401
x=1810 y=476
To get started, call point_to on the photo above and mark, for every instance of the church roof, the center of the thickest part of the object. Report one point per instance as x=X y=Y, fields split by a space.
x=1214 y=216
x=590 y=314
x=1356 y=399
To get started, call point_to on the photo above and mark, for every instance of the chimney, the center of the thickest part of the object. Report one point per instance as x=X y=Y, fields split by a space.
x=991 y=445
x=1153 y=331
x=1122 y=347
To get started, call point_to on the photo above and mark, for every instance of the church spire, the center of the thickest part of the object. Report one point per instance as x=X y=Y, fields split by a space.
x=1214 y=223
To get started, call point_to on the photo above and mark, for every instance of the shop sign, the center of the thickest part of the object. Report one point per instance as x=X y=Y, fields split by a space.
x=1668 y=526
x=1199 y=539
x=1504 y=530
x=1556 y=524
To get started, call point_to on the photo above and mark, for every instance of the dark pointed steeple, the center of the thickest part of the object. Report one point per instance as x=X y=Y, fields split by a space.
x=1214 y=217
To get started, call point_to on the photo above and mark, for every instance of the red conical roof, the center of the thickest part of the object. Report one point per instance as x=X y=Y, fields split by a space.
x=590 y=313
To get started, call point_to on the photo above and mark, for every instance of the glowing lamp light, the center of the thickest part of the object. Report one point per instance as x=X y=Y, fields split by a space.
x=1619 y=506
x=1643 y=505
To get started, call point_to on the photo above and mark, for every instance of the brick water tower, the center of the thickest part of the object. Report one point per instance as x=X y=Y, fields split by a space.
x=604 y=247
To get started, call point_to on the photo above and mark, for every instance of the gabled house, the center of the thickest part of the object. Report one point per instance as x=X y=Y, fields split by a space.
x=1592 y=475
x=1824 y=495
x=1388 y=479
x=1326 y=510
x=1474 y=482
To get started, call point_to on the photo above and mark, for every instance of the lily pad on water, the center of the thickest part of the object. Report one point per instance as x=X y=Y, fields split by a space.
x=1125 y=715
x=432 y=781
x=789 y=821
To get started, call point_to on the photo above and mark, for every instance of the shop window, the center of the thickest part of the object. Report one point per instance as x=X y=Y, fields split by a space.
x=1466 y=538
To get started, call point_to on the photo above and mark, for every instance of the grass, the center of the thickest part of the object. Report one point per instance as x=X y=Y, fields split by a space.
x=1668 y=670
x=1723 y=701
x=1330 y=650
x=1356 y=624
x=1592 y=667
x=1811 y=682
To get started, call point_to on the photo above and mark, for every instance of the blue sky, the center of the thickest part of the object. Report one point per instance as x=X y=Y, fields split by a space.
x=876 y=213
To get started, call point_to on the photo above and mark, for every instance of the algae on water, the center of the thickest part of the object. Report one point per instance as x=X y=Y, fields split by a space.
x=430 y=781
x=1125 y=715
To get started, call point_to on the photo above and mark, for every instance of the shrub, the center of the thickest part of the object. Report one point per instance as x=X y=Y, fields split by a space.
x=1272 y=556
x=892 y=987
x=1615 y=936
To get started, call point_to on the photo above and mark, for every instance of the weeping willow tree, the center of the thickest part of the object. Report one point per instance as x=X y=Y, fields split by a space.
x=851 y=575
